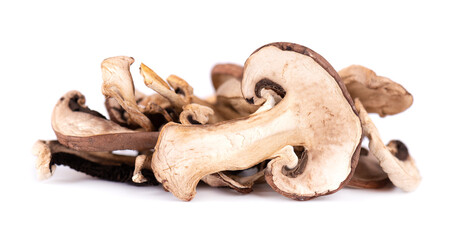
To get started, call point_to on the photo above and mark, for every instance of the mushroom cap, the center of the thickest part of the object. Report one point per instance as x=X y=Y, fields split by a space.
x=378 y=94
x=223 y=72
x=298 y=74
x=78 y=127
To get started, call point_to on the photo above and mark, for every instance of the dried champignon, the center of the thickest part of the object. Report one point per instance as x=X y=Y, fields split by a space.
x=118 y=84
x=316 y=113
x=117 y=113
x=222 y=73
x=195 y=114
x=377 y=94
x=182 y=94
x=394 y=158
x=155 y=82
x=368 y=173
x=229 y=101
x=104 y=165
x=78 y=127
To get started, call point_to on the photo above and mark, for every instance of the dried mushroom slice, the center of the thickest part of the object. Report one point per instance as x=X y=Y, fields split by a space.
x=368 y=173
x=156 y=83
x=315 y=112
x=222 y=73
x=78 y=127
x=118 y=114
x=394 y=158
x=229 y=101
x=118 y=84
x=104 y=165
x=377 y=94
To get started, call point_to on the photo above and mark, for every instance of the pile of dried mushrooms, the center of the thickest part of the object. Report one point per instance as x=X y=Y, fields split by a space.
x=286 y=118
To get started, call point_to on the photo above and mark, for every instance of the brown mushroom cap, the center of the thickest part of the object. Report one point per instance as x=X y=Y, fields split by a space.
x=378 y=94
x=223 y=72
x=78 y=127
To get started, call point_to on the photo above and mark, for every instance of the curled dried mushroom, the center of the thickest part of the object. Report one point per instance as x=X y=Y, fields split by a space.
x=286 y=118
x=329 y=130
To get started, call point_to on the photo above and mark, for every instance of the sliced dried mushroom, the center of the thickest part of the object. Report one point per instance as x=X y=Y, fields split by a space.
x=78 y=127
x=377 y=94
x=155 y=82
x=315 y=112
x=104 y=165
x=222 y=73
x=394 y=158
x=118 y=84
x=117 y=113
x=229 y=101
x=368 y=173
x=195 y=114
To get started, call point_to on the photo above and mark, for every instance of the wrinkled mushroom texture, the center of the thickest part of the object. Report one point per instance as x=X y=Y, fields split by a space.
x=316 y=113
x=378 y=94
x=78 y=127
x=118 y=84
x=368 y=173
x=104 y=165
x=394 y=158
x=229 y=101
x=117 y=113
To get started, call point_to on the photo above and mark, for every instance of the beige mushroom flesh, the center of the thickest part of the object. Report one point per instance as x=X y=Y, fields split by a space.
x=229 y=101
x=118 y=84
x=80 y=128
x=315 y=112
x=394 y=158
x=377 y=94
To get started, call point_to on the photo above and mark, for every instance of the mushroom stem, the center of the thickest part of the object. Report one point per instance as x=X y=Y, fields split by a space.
x=155 y=82
x=141 y=161
x=222 y=147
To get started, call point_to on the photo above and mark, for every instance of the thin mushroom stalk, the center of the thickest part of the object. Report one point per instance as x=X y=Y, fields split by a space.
x=328 y=129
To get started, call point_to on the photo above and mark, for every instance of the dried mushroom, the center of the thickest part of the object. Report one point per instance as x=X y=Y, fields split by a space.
x=229 y=101
x=104 y=165
x=222 y=73
x=286 y=118
x=78 y=127
x=377 y=94
x=394 y=158
x=329 y=130
x=368 y=173
x=118 y=84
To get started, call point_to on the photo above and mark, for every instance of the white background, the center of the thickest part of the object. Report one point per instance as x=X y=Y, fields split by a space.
x=48 y=48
